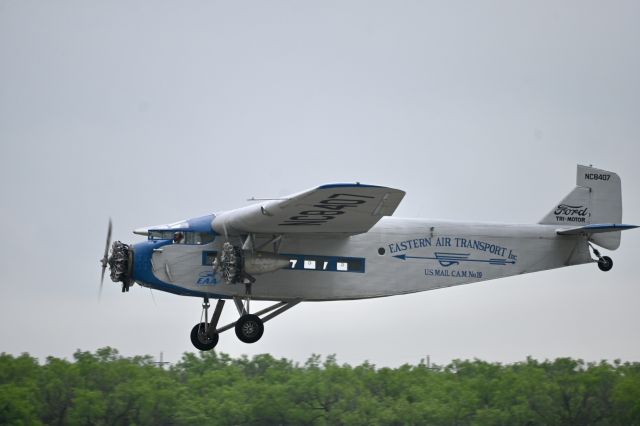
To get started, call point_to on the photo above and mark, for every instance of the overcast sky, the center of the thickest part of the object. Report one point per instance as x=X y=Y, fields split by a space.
x=155 y=111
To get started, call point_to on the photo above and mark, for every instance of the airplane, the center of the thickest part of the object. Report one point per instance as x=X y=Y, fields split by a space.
x=340 y=242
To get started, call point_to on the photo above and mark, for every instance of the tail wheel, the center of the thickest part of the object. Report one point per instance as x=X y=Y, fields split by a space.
x=605 y=263
x=249 y=328
x=201 y=340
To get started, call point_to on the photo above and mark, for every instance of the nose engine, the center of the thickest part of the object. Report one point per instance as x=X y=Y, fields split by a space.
x=120 y=264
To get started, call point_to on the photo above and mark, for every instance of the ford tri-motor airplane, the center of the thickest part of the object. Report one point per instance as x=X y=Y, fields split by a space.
x=338 y=242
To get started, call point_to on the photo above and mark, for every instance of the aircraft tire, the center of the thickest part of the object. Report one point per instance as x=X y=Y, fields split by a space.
x=202 y=341
x=605 y=263
x=249 y=328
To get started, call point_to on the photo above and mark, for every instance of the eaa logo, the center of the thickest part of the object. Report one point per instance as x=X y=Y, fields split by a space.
x=207 y=278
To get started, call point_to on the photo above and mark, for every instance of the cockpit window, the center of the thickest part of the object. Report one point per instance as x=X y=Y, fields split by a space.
x=182 y=237
x=161 y=235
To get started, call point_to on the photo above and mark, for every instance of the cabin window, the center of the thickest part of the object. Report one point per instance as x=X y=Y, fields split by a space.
x=350 y=264
x=198 y=237
x=325 y=263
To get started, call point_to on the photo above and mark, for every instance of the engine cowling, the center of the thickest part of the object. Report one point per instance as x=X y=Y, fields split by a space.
x=236 y=264
x=120 y=264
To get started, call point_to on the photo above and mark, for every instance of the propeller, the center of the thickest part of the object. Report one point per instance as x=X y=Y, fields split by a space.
x=105 y=259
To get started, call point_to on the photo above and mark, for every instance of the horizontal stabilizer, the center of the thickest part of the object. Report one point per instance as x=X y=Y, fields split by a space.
x=596 y=228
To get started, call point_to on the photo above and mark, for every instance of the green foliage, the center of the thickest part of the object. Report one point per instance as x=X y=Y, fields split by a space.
x=212 y=388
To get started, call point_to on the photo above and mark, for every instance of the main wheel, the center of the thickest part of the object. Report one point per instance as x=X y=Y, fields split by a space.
x=200 y=339
x=605 y=263
x=249 y=328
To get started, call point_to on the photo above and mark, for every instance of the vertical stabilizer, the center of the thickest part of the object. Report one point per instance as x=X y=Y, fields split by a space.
x=597 y=199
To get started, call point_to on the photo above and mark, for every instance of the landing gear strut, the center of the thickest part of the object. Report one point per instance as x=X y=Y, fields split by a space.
x=605 y=263
x=249 y=328
x=204 y=335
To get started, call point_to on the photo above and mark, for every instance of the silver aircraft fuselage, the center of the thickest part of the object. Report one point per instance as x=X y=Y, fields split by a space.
x=396 y=256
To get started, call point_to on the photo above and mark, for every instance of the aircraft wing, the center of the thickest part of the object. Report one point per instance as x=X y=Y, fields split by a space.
x=335 y=208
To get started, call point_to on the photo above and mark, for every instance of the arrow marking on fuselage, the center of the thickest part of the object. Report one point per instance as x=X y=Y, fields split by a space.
x=449 y=259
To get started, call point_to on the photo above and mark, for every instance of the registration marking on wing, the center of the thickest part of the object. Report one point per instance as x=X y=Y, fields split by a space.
x=328 y=209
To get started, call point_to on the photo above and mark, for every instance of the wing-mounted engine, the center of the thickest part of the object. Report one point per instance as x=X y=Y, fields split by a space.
x=237 y=264
x=120 y=264
x=230 y=263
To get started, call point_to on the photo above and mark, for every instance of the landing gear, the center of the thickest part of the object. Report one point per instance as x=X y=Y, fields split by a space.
x=204 y=335
x=249 y=328
x=201 y=339
x=605 y=263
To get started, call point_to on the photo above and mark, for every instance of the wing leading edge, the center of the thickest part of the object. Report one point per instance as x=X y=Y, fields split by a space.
x=335 y=208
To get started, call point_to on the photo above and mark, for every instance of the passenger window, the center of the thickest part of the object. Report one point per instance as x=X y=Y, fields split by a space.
x=202 y=238
x=350 y=264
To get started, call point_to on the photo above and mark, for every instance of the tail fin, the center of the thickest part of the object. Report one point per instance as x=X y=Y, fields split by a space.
x=597 y=199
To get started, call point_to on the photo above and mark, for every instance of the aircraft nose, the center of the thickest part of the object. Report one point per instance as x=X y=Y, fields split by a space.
x=141 y=269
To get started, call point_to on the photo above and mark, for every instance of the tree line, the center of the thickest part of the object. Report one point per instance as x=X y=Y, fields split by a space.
x=105 y=388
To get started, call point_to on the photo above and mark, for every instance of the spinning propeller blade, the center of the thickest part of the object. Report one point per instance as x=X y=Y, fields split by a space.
x=105 y=259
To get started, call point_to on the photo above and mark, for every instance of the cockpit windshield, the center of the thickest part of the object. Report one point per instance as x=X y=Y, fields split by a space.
x=182 y=237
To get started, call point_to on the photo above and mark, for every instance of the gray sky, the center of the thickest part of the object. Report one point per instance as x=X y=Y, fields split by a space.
x=151 y=112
